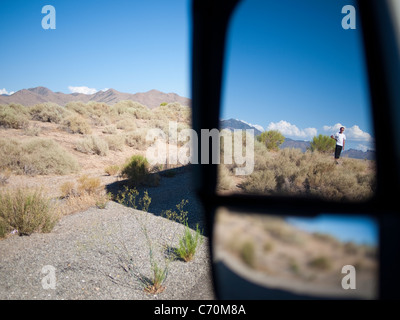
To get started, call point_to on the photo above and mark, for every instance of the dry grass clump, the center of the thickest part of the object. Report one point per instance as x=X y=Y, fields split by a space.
x=27 y=211
x=290 y=171
x=115 y=142
x=92 y=145
x=225 y=179
x=14 y=116
x=36 y=156
x=112 y=170
x=86 y=192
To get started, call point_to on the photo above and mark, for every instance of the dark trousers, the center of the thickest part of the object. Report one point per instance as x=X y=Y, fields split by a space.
x=338 y=151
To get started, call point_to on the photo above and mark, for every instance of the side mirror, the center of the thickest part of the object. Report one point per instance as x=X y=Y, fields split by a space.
x=226 y=213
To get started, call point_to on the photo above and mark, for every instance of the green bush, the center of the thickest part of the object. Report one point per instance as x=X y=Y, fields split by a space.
x=322 y=143
x=26 y=211
x=321 y=263
x=272 y=139
x=248 y=254
x=136 y=169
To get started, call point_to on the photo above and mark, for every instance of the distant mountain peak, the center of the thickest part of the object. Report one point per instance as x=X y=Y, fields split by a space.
x=151 y=99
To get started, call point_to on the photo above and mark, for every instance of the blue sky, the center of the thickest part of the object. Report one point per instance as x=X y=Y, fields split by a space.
x=291 y=66
x=131 y=46
x=359 y=229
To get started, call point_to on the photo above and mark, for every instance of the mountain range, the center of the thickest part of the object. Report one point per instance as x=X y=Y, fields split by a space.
x=32 y=96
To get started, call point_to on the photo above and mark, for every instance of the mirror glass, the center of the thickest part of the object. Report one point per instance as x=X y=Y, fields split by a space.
x=274 y=257
x=294 y=75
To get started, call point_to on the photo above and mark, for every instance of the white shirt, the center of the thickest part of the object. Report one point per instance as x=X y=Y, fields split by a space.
x=340 y=137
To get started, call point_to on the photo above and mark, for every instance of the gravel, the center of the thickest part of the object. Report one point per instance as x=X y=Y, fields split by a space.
x=102 y=254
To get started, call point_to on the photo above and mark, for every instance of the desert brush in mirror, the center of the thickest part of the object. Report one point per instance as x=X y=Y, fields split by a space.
x=295 y=80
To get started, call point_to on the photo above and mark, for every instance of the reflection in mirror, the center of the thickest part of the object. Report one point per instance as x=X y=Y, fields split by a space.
x=296 y=75
x=273 y=257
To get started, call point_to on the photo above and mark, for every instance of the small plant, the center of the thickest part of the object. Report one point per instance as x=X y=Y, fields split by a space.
x=26 y=210
x=247 y=254
x=88 y=185
x=112 y=170
x=67 y=189
x=88 y=193
x=4 y=176
x=188 y=244
x=137 y=171
x=322 y=263
x=154 y=284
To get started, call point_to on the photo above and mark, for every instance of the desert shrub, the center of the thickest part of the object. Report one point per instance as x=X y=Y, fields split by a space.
x=92 y=145
x=290 y=171
x=27 y=211
x=77 y=124
x=225 y=180
x=321 y=263
x=115 y=142
x=247 y=253
x=32 y=130
x=78 y=107
x=133 y=108
x=260 y=182
x=36 y=156
x=13 y=116
x=272 y=139
x=89 y=185
x=48 y=112
x=112 y=170
x=110 y=130
x=67 y=189
x=126 y=124
x=174 y=112
x=98 y=109
x=5 y=174
x=136 y=169
x=322 y=143
x=87 y=192
x=136 y=140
